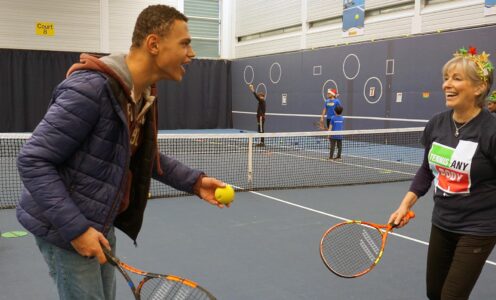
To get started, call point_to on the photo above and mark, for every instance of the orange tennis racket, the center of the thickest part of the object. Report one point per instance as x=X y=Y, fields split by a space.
x=353 y=248
x=158 y=286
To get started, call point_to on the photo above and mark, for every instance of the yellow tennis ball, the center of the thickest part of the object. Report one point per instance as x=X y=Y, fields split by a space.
x=225 y=195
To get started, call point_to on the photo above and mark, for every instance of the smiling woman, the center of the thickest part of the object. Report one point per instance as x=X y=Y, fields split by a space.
x=460 y=158
x=467 y=77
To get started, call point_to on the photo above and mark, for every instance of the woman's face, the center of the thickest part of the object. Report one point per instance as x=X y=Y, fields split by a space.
x=459 y=90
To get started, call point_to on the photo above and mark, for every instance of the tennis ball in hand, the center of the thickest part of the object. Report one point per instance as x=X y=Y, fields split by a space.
x=225 y=195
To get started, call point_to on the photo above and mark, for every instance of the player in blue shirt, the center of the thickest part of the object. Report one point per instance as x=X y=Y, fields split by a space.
x=336 y=124
x=330 y=103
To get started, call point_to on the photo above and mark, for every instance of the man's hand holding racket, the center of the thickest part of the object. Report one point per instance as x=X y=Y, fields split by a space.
x=89 y=244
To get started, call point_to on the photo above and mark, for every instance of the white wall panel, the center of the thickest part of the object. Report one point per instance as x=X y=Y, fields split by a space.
x=76 y=25
x=373 y=31
x=324 y=9
x=261 y=15
x=122 y=17
x=268 y=46
x=373 y=4
x=453 y=18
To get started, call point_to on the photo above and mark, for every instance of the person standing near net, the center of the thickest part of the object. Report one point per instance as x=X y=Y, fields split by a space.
x=329 y=104
x=491 y=103
x=260 y=112
x=460 y=158
x=336 y=124
x=88 y=164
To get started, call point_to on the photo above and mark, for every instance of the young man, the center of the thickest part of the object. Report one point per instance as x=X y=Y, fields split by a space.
x=330 y=103
x=260 y=112
x=88 y=165
x=336 y=124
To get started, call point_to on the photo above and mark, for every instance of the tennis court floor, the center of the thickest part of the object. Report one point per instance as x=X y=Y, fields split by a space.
x=264 y=247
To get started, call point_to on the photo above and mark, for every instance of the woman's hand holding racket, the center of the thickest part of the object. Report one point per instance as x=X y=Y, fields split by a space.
x=353 y=248
x=400 y=217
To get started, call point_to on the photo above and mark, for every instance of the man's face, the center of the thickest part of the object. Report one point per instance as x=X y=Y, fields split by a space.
x=491 y=106
x=174 y=51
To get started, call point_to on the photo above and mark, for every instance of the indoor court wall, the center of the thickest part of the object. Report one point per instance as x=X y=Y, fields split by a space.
x=382 y=84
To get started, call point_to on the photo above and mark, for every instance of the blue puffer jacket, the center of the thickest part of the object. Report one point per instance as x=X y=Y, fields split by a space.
x=73 y=167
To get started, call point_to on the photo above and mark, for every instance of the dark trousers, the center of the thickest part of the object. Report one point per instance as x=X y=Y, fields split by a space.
x=260 y=126
x=335 y=142
x=454 y=263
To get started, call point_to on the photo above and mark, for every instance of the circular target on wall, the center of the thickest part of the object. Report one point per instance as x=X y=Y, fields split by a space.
x=249 y=74
x=351 y=66
x=372 y=90
x=275 y=73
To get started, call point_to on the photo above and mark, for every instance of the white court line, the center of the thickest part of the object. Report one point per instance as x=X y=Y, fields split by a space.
x=339 y=218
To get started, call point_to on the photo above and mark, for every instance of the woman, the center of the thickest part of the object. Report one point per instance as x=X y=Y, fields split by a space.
x=460 y=156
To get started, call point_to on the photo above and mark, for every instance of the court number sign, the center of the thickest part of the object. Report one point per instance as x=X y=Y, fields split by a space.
x=45 y=28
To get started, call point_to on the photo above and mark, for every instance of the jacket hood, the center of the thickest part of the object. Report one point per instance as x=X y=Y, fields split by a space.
x=112 y=65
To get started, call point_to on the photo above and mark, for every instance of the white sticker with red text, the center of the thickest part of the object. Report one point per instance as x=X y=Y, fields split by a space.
x=451 y=166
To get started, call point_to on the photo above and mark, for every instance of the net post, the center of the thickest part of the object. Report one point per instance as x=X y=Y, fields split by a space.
x=250 y=161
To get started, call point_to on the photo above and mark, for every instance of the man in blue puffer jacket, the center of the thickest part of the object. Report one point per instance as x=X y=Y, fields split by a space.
x=89 y=163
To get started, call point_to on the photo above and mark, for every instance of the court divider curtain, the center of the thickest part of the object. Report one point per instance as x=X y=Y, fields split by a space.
x=28 y=77
x=201 y=101
x=27 y=80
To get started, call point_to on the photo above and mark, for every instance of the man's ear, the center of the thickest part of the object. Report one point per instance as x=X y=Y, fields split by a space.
x=151 y=43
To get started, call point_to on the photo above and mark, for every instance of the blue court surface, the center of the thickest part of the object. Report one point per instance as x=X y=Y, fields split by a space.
x=266 y=246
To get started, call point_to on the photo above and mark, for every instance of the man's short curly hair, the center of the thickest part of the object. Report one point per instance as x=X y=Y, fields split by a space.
x=156 y=19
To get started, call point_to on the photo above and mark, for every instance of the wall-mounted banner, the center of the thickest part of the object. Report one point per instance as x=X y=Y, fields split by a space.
x=490 y=7
x=353 y=17
x=45 y=28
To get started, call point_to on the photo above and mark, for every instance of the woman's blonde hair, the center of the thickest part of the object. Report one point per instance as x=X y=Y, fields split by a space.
x=471 y=69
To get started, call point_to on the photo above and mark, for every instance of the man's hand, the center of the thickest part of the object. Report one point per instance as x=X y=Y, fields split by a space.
x=205 y=188
x=89 y=244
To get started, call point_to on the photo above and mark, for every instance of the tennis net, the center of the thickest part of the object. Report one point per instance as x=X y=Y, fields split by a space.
x=287 y=160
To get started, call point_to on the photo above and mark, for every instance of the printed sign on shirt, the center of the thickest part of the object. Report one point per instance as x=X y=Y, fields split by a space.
x=451 y=166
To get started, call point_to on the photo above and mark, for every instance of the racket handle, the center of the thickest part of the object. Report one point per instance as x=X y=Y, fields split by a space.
x=410 y=215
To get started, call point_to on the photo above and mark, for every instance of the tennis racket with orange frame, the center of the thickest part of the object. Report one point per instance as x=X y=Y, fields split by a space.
x=353 y=248
x=158 y=286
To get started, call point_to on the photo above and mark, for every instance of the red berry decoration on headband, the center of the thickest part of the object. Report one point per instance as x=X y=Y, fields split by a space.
x=472 y=50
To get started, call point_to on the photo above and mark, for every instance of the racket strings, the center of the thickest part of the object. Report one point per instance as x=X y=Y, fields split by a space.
x=350 y=249
x=164 y=289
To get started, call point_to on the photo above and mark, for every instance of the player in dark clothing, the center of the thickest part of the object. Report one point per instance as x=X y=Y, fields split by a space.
x=460 y=158
x=260 y=112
